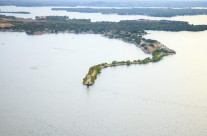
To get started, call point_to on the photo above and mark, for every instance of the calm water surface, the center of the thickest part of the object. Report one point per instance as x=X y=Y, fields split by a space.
x=46 y=11
x=41 y=91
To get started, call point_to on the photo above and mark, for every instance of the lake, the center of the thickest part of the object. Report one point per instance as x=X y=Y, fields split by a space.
x=41 y=91
x=46 y=11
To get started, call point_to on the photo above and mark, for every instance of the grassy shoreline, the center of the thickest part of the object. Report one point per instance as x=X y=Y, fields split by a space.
x=157 y=55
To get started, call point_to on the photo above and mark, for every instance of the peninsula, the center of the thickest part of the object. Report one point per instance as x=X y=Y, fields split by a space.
x=128 y=31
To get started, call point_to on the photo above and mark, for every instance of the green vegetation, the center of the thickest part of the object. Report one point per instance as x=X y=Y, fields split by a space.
x=90 y=78
x=129 y=31
x=128 y=62
x=7 y=17
x=52 y=18
x=93 y=72
x=156 y=12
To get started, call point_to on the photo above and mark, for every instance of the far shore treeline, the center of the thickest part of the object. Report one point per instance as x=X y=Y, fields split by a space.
x=155 y=12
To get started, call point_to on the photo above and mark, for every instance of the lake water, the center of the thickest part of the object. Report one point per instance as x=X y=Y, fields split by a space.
x=41 y=91
x=46 y=11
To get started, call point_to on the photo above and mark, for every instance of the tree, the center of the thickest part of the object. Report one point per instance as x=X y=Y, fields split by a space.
x=128 y=62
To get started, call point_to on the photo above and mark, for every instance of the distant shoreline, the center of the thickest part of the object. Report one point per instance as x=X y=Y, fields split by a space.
x=153 y=12
x=15 y=12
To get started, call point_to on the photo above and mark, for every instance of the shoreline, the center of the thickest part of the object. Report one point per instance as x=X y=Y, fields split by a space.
x=157 y=55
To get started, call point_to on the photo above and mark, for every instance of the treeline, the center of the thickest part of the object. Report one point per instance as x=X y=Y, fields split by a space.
x=52 y=18
x=85 y=25
x=155 y=12
x=7 y=17
x=162 y=25
x=112 y=29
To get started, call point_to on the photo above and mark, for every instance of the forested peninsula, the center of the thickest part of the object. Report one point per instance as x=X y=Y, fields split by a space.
x=128 y=31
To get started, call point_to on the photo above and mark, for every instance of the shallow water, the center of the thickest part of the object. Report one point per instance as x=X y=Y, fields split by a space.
x=41 y=91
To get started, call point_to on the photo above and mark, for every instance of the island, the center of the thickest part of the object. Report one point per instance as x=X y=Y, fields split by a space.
x=155 y=12
x=128 y=31
x=15 y=12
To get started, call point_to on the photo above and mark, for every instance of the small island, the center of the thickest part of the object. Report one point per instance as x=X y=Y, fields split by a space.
x=15 y=12
x=127 y=31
